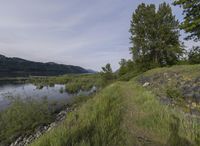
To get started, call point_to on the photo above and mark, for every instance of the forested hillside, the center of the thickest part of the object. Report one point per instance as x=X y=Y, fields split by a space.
x=20 y=67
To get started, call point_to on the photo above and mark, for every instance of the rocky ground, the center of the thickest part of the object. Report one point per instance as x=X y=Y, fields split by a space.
x=175 y=88
x=25 y=140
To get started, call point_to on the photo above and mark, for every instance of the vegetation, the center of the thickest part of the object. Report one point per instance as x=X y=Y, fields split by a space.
x=154 y=36
x=194 y=55
x=124 y=113
x=21 y=118
x=16 y=67
x=125 y=66
x=73 y=83
x=107 y=75
x=95 y=123
x=191 y=23
x=179 y=84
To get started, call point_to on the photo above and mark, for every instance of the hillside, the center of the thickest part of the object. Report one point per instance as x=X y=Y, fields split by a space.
x=130 y=113
x=10 y=67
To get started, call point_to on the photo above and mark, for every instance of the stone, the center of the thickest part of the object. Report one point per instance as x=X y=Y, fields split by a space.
x=166 y=100
x=146 y=84
x=26 y=140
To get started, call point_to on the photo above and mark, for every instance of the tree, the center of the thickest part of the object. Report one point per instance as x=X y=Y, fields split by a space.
x=194 y=55
x=155 y=36
x=107 y=69
x=123 y=67
x=191 y=12
x=107 y=74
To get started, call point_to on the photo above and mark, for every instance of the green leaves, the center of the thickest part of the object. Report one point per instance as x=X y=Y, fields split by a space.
x=155 y=36
x=107 y=74
x=194 y=55
x=191 y=23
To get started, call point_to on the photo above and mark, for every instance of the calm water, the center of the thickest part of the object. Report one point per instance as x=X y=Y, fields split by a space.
x=53 y=94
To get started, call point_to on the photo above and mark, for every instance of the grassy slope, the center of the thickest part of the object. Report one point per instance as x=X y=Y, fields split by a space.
x=180 y=83
x=124 y=113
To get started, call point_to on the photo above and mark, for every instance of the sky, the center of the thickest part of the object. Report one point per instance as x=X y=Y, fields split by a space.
x=87 y=33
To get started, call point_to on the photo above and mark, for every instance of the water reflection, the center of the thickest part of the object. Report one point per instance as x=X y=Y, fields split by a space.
x=52 y=93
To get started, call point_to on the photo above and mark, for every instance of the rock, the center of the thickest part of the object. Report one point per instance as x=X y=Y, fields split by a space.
x=146 y=84
x=197 y=80
x=197 y=97
x=26 y=140
x=166 y=101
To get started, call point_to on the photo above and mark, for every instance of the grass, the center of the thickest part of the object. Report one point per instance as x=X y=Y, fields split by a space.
x=21 y=118
x=73 y=83
x=176 y=82
x=146 y=118
x=97 y=122
x=25 y=115
x=186 y=70
x=123 y=114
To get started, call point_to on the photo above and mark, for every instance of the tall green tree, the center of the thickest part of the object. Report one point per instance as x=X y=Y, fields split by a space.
x=155 y=36
x=191 y=12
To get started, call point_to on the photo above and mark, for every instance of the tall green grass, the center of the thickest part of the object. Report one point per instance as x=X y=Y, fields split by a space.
x=21 y=118
x=157 y=124
x=97 y=122
x=123 y=114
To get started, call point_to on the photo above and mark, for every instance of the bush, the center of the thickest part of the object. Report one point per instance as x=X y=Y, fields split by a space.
x=194 y=55
x=173 y=92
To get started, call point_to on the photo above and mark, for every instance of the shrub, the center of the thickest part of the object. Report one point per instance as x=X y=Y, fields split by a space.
x=194 y=55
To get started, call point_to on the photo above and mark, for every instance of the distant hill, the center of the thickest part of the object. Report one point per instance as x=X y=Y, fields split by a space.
x=91 y=71
x=17 y=67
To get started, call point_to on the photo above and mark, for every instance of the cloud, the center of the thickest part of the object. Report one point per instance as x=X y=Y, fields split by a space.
x=87 y=33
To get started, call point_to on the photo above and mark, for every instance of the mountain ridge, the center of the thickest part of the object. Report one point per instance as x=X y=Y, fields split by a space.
x=18 y=67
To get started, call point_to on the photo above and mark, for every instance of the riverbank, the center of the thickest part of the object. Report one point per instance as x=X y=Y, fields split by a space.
x=27 y=113
x=26 y=120
x=27 y=139
x=125 y=113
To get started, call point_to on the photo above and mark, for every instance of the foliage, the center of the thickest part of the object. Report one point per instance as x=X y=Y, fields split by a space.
x=128 y=70
x=107 y=74
x=155 y=36
x=180 y=83
x=173 y=92
x=191 y=23
x=97 y=122
x=125 y=66
x=21 y=118
x=73 y=83
x=122 y=114
x=194 y=55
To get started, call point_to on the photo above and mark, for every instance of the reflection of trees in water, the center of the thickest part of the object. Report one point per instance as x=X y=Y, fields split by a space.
x=175 y=139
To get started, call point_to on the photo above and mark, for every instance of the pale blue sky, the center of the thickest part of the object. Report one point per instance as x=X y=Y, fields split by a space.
x=88 y=33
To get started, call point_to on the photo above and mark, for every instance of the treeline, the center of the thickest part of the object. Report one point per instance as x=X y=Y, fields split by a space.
x=17 y=67
x=155 y=38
